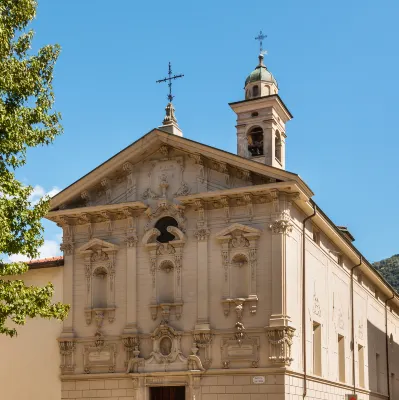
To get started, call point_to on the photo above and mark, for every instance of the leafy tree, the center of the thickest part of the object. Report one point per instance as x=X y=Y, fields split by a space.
x=389 y=269
x=27 y=120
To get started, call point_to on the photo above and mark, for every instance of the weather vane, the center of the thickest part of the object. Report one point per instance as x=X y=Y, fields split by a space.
x=260 y=37
x=169 y=80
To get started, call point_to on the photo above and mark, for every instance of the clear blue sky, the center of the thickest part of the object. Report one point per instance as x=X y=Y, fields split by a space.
x=336 y=64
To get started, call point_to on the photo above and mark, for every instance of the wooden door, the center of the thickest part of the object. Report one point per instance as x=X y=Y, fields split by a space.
x=168 y=393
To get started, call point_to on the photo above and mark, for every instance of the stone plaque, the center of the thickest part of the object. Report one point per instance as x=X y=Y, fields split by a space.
x=257 y=380
x=99 y=356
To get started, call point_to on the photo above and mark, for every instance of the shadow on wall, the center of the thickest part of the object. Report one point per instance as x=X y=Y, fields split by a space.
x=377 y=361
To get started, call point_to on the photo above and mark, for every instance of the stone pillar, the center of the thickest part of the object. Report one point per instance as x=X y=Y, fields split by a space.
x=280 y=227
x=67 y=247
x=131 y=285
x=202 y=279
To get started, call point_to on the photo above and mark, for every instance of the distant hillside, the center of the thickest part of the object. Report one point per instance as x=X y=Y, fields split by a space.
x=389 y=269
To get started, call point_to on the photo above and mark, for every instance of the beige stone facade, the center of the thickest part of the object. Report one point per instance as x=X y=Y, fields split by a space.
x=188 y=266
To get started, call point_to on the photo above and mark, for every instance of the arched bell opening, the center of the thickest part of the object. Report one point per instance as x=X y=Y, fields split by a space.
x=255 y=141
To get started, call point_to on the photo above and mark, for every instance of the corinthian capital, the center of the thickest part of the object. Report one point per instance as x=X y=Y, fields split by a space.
x=281 y=227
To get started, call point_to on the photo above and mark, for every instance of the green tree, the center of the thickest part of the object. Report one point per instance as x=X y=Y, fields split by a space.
x=27 y=119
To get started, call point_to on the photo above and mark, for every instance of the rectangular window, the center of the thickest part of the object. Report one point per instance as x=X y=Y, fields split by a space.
x=378 y=372
x=316 y=349
x=360 y=361
x=341 y=358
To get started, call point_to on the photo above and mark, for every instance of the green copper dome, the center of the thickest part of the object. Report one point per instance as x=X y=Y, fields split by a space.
x=260 y=74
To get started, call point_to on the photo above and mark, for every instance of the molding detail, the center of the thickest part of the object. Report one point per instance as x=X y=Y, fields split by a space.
x=166 y=354
x=281 y=227
x=280 y=342
x=239 y=241
x=99 y=356
x=203 y=340
x=67 y=351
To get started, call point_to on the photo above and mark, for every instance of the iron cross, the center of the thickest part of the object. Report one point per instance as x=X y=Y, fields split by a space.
x=169 y=80
x=260 y=37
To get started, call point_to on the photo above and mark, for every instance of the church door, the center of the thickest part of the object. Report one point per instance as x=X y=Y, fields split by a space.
x=168 y=393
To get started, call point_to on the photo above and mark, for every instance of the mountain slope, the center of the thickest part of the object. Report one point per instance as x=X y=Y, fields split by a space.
x=389 y=269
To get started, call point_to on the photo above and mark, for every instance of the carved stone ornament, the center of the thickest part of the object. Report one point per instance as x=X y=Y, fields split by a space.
x=244 y=353
x=280 y=342
x=100 y=356
x=67 y=248
x=281 y=227
x=100 y=260
x=166 y=354
x=131 y=345
x=203 y=340
x=202 y=234
x=316 y=305
x=165 y=258
x=67 y=352
x=239 y=242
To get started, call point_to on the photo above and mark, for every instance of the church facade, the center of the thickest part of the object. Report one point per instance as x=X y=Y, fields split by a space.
x=193 y=273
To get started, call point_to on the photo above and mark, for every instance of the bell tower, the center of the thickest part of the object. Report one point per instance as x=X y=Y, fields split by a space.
x=261 y=119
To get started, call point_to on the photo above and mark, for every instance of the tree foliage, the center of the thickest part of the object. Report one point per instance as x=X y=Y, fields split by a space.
x=27 y=119
x=389 y=269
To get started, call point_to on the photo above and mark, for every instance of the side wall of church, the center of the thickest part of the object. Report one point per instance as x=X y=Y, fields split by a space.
x=328 y=314
x=30 y=362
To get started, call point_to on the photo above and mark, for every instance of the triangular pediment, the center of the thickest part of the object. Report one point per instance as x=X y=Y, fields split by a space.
x=238 y=229
x=116 y=180
x=95 y=245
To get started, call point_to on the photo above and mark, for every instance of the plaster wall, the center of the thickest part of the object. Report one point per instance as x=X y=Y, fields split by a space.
x=29 y=367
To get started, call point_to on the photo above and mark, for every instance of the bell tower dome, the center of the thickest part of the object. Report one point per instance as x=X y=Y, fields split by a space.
x=261 y=119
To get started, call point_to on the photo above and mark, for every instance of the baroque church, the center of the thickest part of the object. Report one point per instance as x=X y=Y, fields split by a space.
x=197 y=274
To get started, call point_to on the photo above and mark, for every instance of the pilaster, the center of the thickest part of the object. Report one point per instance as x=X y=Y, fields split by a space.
x=131 y=274
x=202 y=234
x=67 y=247
x=280 y=227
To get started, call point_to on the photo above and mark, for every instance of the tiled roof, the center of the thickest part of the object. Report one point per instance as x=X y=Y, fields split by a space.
x=46 y=262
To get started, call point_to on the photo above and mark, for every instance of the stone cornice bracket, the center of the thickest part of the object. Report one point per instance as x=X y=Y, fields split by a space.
x=127 y=167
x=67 y=352
x=131 y=232
x=247 y=200
x=85 y=195
x=280 y=342
x=106 y=184
x=67 y=235
x=224 y=202
x=85 y=219
x=200 y=161
x=108 y=219
x=243 y=174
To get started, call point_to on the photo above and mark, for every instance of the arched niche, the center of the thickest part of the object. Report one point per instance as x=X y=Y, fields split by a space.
x=166 y=258
x=100 y=288
x=100 y=266
x=166 y=282
x=239 y=247
x=239 y=276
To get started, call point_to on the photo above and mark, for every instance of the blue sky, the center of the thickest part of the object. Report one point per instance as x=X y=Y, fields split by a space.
x=337 y=68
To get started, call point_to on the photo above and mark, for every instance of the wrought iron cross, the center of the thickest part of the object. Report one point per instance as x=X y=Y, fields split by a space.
x=169 y=80
x=260 y=37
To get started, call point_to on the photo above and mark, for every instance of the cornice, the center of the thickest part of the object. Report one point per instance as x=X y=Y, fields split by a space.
x=110 y=210
x=289 y=187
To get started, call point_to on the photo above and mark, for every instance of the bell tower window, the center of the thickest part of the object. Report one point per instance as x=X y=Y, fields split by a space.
x=255 y=91
x=255 y=141
x=277 y=142
x=162 y=225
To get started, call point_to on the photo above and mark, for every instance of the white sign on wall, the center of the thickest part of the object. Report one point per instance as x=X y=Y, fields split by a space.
x=258 y=380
